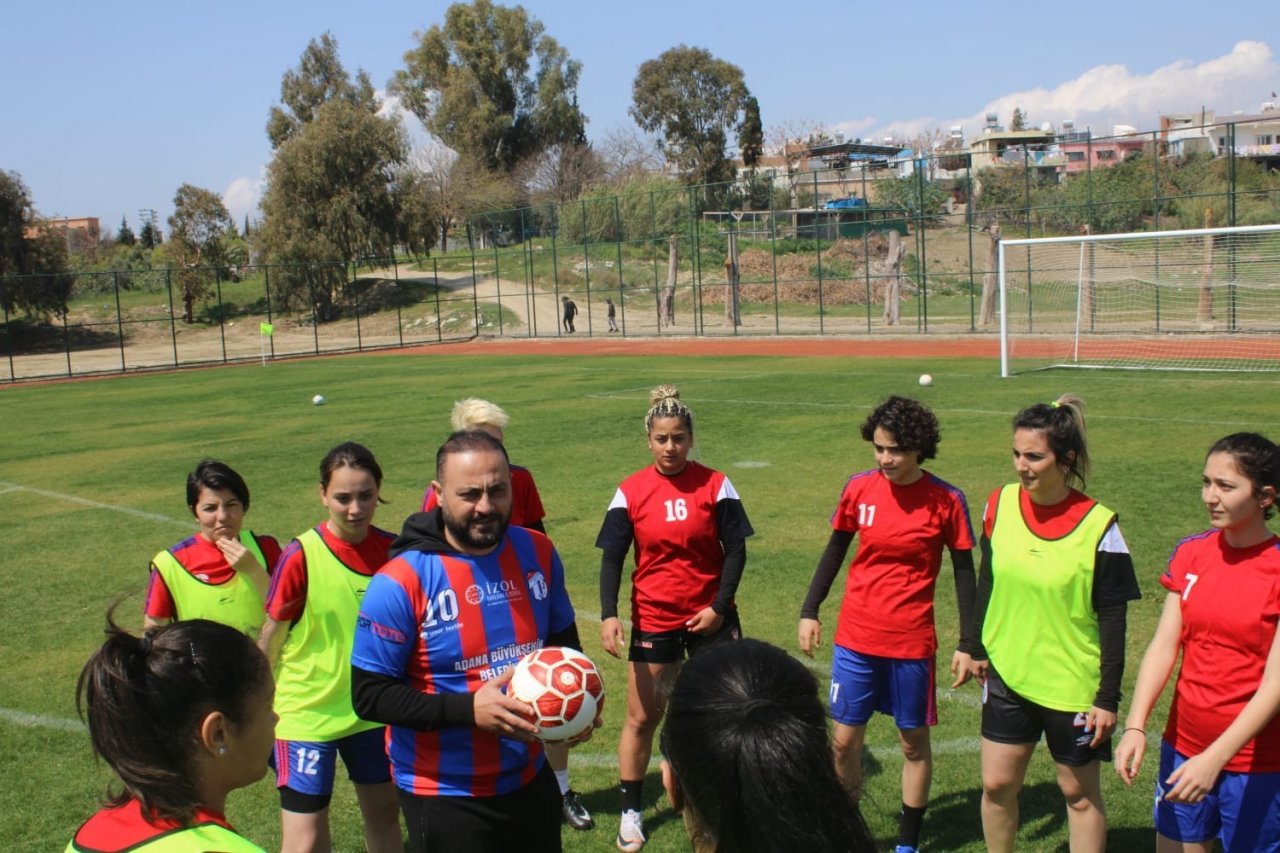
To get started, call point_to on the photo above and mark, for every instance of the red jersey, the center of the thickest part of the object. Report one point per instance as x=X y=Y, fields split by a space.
x=288 y=593
x=203 y=560
x=901 y=530
x=526 y=505
x=123 y=828
x=677 y=524
x=1230 y=607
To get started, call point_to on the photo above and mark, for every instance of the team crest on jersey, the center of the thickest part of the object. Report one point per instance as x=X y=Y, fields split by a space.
x=537 y=585
x=474 y=594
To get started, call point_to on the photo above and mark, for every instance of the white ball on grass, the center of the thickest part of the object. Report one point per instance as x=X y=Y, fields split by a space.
x=926 y=379
x=318 y=400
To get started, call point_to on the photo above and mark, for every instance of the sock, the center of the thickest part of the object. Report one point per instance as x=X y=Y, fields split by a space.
x=631 y=800
x=909 y=822
x=562 y=779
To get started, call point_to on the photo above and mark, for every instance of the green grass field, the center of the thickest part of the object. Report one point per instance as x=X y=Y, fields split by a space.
x=92 y=484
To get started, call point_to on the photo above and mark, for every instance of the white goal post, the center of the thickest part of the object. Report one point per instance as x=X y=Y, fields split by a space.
x=1200 y=299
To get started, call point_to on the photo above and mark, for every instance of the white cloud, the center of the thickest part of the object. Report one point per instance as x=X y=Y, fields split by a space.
x=242 y=195
x=1107 y=95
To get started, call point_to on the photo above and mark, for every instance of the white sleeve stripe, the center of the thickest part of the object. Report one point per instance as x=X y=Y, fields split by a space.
x=1113 y=541
x=727 y=491
x=619 y=500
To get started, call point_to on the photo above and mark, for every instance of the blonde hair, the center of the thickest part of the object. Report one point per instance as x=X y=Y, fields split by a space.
x=473 y=413
x=664 y=402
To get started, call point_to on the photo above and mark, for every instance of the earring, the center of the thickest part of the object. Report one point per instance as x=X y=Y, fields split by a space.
x=222 y=750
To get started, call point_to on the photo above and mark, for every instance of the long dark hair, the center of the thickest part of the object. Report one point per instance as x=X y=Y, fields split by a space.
x=1256 y=457
x=1062 y=423
x=144 y=699
x=746 y=737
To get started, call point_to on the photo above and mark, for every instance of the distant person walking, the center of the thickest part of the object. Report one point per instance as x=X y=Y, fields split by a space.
x=570 y=311
x=611 y=314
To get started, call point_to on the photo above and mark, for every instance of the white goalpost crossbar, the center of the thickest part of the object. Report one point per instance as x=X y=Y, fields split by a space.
x=1197 y=299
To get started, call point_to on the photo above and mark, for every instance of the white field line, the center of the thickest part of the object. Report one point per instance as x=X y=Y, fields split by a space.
x=150 y=516
x=40 y=721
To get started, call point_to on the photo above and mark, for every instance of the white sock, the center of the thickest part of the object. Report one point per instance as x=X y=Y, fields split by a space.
x=562 y=779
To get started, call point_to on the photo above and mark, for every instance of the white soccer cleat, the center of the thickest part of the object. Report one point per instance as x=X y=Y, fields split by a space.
x=631 y=832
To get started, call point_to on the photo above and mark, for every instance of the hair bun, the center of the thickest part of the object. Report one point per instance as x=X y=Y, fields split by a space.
x=663 y=392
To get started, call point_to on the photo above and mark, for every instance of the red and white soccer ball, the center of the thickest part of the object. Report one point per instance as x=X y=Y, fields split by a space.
x=563 y=686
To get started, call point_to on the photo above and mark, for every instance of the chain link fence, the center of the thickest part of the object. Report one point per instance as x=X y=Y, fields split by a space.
x=811 y=247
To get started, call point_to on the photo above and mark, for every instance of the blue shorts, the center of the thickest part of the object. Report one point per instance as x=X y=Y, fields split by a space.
x=308 y=767
x=904 y=688
x=1243 y=809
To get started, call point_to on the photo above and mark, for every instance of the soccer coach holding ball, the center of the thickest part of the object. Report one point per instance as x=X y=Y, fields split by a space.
x=441 y=627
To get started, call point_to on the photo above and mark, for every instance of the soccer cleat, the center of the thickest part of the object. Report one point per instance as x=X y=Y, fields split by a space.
x=905 y=848
x=575 y=813
x=631 y=832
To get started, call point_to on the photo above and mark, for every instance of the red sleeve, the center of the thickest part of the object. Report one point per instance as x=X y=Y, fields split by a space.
x=159 y=601
x=270 y=550
x=959 y=527
x=1174 y=577
x=845 y=518
x=533 y=511
x=288 y=593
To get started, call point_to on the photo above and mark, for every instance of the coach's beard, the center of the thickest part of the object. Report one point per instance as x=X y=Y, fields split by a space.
x=479 y=532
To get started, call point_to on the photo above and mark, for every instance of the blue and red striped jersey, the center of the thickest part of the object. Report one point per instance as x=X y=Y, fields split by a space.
x=445 y=622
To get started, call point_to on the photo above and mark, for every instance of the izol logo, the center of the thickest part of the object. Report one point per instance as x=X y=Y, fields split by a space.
x=474 y=594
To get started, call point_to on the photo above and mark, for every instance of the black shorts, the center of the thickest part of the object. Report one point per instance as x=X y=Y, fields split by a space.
x=524 y=821
x=675 y=646
x=1010 y=718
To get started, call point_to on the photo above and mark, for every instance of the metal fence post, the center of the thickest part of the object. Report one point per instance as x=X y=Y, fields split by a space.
x=222 y=313
x=266 y=293
x=173 y=326
x=115 y=284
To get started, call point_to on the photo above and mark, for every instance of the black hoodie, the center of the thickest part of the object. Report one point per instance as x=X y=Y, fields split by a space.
x=384 y=699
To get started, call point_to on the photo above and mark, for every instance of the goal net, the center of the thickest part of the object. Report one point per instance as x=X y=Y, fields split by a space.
x=1204 y=299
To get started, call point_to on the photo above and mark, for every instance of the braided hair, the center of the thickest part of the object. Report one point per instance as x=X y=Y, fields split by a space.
x=664 y=402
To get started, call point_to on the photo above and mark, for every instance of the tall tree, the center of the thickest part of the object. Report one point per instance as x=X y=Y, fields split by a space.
x=319 y=78
x=35 y=254
x=125 y=235
x=492 y=85
x=751 y=139
x=692 y=100
x=329 y=198
x=197 y=243
x=329 y=201
x=1019 y=121
x=149 y=236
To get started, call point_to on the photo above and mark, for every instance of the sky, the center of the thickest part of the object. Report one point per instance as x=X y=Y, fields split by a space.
x=109 y=107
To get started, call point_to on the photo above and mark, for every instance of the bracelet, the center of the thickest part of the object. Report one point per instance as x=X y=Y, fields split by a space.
x=1134 y=729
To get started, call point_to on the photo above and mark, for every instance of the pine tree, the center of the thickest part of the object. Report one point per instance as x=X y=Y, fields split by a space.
x=125 y=235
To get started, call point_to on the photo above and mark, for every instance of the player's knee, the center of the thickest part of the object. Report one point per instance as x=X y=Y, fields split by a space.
x=1000 y=786
x=915 y=745
x=917 y=752
x=1079 y=798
